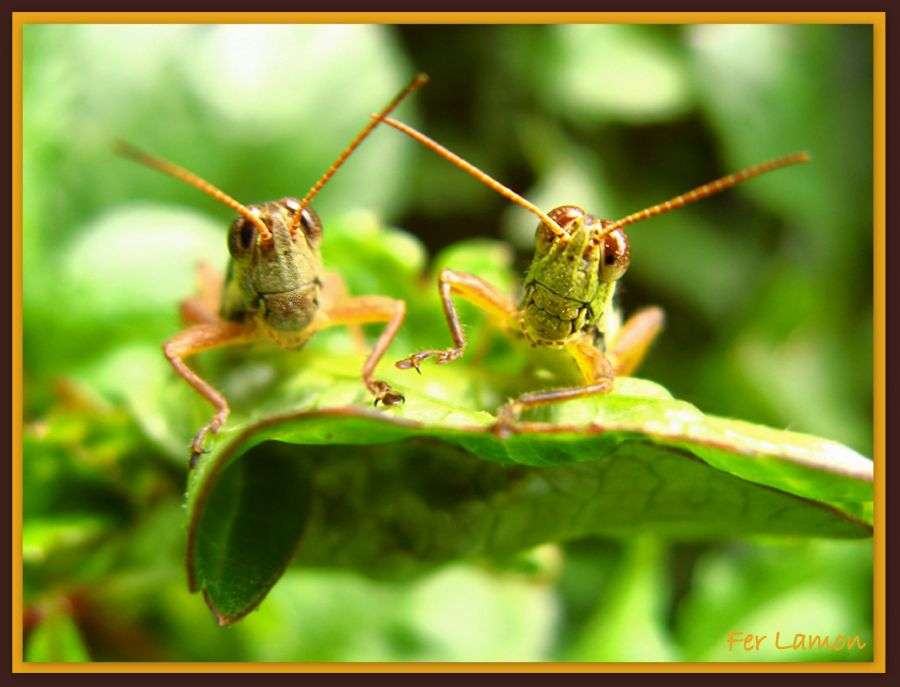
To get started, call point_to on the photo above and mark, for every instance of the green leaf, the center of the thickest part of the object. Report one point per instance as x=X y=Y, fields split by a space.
x=56 y=639
x=430 y=619
x=42 y=536
x=455 y=490
x=815 y=587
x=247 y=530
x=643 y=77
x=629 y=625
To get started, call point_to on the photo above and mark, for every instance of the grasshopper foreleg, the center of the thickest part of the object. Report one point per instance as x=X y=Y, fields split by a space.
x=203 y=337
x=595 y=367
x=204 y=309
x=476 y=291
x=362 y=310
x=625 y=351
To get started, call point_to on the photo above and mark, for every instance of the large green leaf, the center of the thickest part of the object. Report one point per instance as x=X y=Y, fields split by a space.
x=394 y=495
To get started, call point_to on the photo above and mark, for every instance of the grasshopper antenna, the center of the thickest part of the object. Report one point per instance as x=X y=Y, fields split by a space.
x=418 y=81
x=182 y=174
x=708 y=189
x=484 y=178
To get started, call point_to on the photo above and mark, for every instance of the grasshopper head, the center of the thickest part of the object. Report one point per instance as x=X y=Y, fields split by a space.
x=284 y=260
x=586 y=246
x=275 y=276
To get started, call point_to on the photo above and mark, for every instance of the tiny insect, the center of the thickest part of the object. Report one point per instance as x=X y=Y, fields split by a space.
x=567 y=300
x=275 y=285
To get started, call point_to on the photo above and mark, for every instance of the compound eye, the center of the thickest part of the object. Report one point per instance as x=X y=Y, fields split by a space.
x=564 y=215
x=616 y=256
x=241 y=237
x=309 y=222
x=310 y=225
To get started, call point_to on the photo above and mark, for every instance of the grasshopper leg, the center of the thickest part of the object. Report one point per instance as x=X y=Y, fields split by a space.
x=203 y=337
x=598 y=373
x=628 y=347
x=625 y=352
x=362 y=310
x=204 y=309
x=476 y=291
x=334 y=290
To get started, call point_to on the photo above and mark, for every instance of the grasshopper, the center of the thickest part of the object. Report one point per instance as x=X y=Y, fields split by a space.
x=567 y=300
x=275 y=286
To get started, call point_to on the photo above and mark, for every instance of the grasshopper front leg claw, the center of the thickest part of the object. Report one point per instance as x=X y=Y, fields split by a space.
x=507 y=420
x=385 y=395
x=415 y=360
x=213 y=426
x=196 y=452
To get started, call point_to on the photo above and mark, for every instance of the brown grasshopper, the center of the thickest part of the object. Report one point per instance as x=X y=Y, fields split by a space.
x=567 y=300
x=275 y=286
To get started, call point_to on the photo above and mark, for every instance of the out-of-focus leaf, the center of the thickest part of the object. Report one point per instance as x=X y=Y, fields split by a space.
x=629 y=623
x=746 y=72
x=457 y=613
x=774 y=592
x=615 y=71
x=507 y=618
x=118 y=284
x=196 y=97
x=43 y=535
x=56 y=639
x=788 y=357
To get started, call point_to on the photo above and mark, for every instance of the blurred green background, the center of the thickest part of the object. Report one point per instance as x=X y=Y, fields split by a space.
x=767 y=290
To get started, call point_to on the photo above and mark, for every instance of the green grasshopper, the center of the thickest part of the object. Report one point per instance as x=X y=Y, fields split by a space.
x=567 y=300
x=275 y=285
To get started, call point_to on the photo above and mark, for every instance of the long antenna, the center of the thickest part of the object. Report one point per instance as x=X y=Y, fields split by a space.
x=708 y=189
x=182 y=174
x=475 y=172
x=418 y=81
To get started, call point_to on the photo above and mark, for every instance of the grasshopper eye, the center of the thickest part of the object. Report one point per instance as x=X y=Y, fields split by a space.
x=311 y=226
x=565 y=215
x=616 y=256
x=308 y=221
x=241 y=237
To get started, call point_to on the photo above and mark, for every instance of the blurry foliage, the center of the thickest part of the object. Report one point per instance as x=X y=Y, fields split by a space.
x=767 y=291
